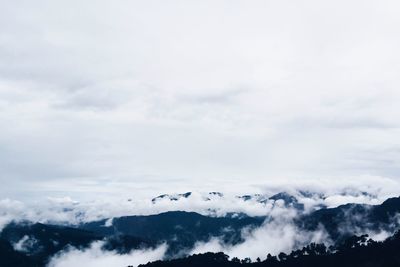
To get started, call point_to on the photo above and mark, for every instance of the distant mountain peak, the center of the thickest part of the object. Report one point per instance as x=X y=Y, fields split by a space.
x=174 y=197
x=219 y=194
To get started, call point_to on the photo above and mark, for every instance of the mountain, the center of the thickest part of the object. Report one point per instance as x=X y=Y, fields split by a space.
x=175 y=197
x=37 y=242
x=288 y=200
x=181 y=230
x=341 y=222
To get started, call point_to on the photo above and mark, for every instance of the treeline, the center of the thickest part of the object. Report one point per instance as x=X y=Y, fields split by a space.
x=357 y=251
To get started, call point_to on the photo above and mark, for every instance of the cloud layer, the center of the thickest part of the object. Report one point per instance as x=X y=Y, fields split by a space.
x=312 y=194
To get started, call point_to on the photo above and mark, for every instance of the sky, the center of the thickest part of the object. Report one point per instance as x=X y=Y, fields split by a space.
x=126 y=97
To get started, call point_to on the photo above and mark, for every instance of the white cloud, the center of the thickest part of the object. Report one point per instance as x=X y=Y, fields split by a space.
x=96 y=257
x=25 y=244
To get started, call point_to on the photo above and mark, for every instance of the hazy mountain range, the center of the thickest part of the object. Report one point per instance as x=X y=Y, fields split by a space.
x=30 y=243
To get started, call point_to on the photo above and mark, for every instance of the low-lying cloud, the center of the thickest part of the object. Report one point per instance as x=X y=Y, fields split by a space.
x=276 y=235
x=95 y=256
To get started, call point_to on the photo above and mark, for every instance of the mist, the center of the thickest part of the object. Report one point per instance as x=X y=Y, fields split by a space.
x=96 y=257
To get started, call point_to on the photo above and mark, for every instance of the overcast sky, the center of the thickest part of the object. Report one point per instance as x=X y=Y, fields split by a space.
x=103 y=96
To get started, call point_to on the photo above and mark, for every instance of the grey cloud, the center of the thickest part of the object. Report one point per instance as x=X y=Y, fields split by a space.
x=257 y=91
